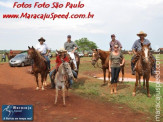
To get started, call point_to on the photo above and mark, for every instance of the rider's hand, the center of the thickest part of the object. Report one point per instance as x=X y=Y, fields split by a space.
x=121 y=64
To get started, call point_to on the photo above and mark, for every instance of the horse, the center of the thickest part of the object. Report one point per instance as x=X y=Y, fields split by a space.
x=143 y=68
x=9 y=56
x=104 y=56
x=61 y=79
x=39 y=66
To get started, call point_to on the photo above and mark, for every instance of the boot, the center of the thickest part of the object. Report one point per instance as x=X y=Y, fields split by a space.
x=111 y=87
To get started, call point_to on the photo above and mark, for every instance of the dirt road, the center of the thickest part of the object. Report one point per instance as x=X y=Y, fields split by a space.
x=17 y=87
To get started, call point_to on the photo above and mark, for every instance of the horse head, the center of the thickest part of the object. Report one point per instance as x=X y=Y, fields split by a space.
x=95 y=56
x=65 y=69
x=145 y=52
x=31 y=52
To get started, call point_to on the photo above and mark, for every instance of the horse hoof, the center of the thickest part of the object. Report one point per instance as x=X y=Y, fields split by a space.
x=45 y=84
x=149 y=95
x=133 y=94
x=43 y=89
x=64 y=105
x=37 y=88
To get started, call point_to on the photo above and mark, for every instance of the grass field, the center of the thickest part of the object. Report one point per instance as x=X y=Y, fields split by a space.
x=91 y=88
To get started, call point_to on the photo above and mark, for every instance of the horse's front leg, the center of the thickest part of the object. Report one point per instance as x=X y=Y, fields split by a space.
x=56 y=95
x=147 y=85
x=139 y=81
x=63 y=95
x=123 y=72
x=144 y=83
x=109 y=77
x=136 y=84
x=36 y=76
x=42 y=81
x=104 y=72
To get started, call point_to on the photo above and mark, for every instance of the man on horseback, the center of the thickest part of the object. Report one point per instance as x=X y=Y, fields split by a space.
x=137 y=48
x=114 y=42
x=71 y=47
x=44 y=50
x=61 y=56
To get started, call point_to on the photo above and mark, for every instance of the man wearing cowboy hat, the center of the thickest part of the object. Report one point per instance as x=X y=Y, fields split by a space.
x=43 y=49
x=61 y=55
x=137 y=47
x=71 y=47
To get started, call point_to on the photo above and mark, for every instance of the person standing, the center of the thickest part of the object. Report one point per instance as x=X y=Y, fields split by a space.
x=3 y=58
x=71 y=47
x=44 y=50
x=114 y=42
x=114 y=66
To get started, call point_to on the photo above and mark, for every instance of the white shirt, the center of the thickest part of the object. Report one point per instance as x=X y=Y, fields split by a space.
x=42 y=48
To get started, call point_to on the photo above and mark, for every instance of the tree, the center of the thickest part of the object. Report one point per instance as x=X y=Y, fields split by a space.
x=85 y=45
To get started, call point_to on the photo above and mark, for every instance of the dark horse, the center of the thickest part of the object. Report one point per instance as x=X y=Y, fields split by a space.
x=39 y=66
x=143 y=68
x=104 y=56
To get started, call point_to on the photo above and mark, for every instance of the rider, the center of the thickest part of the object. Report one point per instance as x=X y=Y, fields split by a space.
x=114 y=42
x=71 y=47
x=44 y=50
x=137 y=47
x=60 y=56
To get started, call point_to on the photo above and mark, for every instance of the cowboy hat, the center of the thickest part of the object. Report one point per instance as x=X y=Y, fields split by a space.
x=62 y=50
x=41 y=39
x=142 y=33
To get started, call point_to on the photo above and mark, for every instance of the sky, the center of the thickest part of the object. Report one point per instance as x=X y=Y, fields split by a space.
x=124 y=18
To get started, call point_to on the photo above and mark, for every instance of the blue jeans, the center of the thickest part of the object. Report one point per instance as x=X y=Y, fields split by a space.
x=48 y=61
x=114 y=74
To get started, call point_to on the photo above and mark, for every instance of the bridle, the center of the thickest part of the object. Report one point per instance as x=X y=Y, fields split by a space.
x=96 y=59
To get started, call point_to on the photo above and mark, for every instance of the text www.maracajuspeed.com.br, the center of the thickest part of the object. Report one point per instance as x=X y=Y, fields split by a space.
x=52 y=16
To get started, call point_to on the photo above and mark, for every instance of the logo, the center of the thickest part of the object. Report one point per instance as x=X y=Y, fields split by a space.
x=17 y=112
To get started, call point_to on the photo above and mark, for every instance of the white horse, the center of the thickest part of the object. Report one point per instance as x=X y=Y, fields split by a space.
x=61 y=79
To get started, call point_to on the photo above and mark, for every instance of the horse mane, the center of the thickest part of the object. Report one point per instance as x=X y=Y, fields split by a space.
x=38 y=54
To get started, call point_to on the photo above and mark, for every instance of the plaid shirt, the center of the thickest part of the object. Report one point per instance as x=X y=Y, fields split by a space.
x=112 y=43
x=137 y=44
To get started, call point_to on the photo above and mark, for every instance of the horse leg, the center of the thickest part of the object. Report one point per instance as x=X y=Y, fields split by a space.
x=123 y=71
x=67 y=93
x=42 y=81
x=104 y=72
x=136 y=84
x=108 y=76
x=147 y=85
x=36 y=75
x=139 y=81
x=63 y=95
x=144 y=83
x=56 y=95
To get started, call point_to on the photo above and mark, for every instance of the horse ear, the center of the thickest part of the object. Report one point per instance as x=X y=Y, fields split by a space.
x=96 y=49
x=29 y=47
x=33 y=47
x=142 y=44
x=149 y=44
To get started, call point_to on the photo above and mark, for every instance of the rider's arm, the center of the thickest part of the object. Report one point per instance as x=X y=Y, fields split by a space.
x=76 y=47
x=134 y=47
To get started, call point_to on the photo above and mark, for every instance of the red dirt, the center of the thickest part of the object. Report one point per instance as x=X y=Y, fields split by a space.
x=18 y=87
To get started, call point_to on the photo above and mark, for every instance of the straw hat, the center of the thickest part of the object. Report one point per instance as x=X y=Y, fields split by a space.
x=62 y=50
x=142 y=33
x=41 y=39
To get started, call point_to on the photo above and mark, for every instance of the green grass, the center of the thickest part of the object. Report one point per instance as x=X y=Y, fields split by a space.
x=90 y=87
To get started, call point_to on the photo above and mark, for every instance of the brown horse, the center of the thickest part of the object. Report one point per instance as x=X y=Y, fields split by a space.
x=9 y=56
x=39 y=66
x=143 y=68
x=104 y=56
